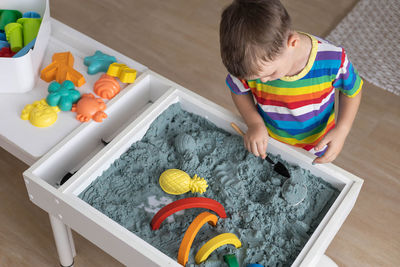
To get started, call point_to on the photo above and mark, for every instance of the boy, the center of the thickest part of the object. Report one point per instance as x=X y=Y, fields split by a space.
x=292 y=77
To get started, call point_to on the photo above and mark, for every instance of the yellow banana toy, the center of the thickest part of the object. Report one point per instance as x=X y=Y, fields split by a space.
x=214 y=243
x=176 y=182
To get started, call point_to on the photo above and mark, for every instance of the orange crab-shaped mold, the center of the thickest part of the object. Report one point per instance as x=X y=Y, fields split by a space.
x=89 y=107
x=106 y=87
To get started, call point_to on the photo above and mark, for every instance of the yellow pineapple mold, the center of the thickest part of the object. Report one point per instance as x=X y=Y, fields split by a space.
x=176 y=182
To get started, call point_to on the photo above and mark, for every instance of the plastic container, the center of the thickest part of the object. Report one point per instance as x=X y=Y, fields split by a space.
x=19 y=75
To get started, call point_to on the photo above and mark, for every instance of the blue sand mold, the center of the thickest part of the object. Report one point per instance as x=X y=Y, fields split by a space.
x=272 y=231
x=3 y=40
x=4 y=44
x=31 y=14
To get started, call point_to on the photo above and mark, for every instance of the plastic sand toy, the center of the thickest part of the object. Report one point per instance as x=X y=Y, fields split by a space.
x=186 y=203
x=25 y=49
x=40 y=114
x=62 y=95
x=8 y=16
x=214 y=243
x=231 y=260
x=3 y=40
x=99 y=62
x=106 y=87
x=176 y=182
x=30 y=28
x=61 y=69
x=89 y=107
x=31 y=14
x=191 y=232
x=123 y=72
x=4 y=44
x=14 y=36
x=6 y=52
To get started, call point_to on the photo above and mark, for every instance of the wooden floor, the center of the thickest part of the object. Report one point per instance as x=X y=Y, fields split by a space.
x=179 y=39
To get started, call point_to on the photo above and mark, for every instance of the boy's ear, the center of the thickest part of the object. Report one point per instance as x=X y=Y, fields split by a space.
x=293 y=39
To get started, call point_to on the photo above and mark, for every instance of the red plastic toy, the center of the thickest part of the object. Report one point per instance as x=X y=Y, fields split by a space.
x=6 y=52
x=186 y=203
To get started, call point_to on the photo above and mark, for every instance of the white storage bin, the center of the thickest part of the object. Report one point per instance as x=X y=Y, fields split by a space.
x=14 y=130
x=127 y=247
x=19 y=75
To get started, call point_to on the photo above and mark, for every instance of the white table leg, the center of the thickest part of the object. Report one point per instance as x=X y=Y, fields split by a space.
x=71 y=241
x=63 y=240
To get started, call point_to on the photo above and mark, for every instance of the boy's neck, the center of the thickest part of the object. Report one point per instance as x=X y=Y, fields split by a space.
x=302 y=54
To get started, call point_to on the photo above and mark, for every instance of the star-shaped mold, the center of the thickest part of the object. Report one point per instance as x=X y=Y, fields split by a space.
x=98 y=62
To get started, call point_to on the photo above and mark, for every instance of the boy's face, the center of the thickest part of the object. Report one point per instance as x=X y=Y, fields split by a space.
x=281 y=66
x=273 y=70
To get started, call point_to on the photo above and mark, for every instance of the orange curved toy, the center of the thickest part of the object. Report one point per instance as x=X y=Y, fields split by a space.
x=191 y=232
x=89 y=107
x=106 y=87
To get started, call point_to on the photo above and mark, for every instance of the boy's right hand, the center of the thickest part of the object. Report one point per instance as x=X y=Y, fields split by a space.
x=256 y=139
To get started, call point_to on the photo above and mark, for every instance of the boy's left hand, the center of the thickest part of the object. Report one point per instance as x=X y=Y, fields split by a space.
x=334 y=139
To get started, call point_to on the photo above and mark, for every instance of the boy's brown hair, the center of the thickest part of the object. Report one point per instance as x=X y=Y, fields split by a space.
x=252 y=31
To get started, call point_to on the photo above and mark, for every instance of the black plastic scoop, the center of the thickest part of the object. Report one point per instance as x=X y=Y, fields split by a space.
x=278 y=167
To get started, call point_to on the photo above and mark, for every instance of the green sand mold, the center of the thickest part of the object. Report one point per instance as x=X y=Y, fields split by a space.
x=272 y=231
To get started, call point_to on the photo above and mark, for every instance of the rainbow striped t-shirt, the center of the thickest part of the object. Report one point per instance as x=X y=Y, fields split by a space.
x=299 y=110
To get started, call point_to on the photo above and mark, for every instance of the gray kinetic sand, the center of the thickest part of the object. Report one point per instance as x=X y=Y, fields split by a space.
x=272 y=232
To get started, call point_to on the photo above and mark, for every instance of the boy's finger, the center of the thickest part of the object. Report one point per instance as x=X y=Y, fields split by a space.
x=322 y=159
x=265 y=146
x=321 y=144
x=254 y=149
x=261 y=149
x=319 y=160
x=326 y=157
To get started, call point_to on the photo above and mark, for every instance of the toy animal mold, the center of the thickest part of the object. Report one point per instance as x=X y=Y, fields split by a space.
x=40 y=114
x=88 y=108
